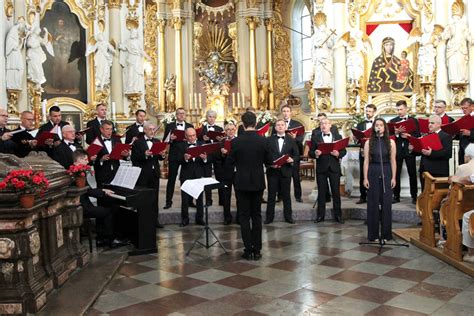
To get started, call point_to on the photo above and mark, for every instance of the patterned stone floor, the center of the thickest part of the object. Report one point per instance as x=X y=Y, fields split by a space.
x=306 y=269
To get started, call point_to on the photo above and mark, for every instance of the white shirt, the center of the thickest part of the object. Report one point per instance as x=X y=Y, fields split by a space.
x=287 y=122
x=108 y=144
x=149 y=143
x=327 y=139
x=280 y=142
x=58 y=130
x=180 y=127
x=71 y=145
x=140 y=127
x=368 y=124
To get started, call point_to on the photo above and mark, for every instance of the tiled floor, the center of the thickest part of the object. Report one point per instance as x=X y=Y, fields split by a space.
x=306 y=269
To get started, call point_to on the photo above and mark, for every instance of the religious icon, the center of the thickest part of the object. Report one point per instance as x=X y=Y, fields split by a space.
x=390 y=73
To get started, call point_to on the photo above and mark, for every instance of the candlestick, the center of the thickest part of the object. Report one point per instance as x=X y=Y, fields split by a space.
x=190 y=101
x=43 y=109
x=243 y=100
x=358 y=104
x=370 y=99
x=114 y=116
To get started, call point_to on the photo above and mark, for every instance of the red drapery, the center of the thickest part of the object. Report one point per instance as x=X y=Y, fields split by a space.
x=370 y=28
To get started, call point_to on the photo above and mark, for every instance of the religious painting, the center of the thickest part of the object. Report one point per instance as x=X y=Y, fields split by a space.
x=65 y=73
x=73 y=118
x=390 y=66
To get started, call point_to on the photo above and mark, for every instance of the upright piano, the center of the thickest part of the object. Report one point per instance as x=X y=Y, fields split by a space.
x=138 y=216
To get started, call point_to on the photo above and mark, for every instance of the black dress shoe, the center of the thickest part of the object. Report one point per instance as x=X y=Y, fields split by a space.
x=247 y=255
x=228 y=222
x=413 y=201
x=167 y=206
x=319 y=219
x=361 y=201
x=328 y=199
x=267 y=221
x=339 y=219
x=257 y=255
x=396 y=200
x=116 y=243
x=184 y=223
x=291 y=221
x=200 y=222
x=159 y=226
x=299 y=200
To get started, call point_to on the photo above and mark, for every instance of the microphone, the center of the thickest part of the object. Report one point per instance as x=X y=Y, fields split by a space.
x=377 y=130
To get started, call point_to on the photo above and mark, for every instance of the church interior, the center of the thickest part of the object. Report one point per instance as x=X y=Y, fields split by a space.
x=100 y=225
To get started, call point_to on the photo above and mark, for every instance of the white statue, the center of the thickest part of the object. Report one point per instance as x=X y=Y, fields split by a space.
x=35 y=56
x=132 y=55
x=356 y=45
x=322 y=43
x=428 y=40
x=457 y=36
x=15 y=65
x=102 y=60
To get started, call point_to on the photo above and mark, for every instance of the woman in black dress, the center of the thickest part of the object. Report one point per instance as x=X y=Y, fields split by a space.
x=379 y=179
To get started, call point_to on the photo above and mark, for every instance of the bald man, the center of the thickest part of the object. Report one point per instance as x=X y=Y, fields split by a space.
x=7 y=146
x=63 y=153
x=25 y=140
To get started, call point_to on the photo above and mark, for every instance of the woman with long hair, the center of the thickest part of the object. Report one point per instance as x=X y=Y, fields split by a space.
x=379 y=179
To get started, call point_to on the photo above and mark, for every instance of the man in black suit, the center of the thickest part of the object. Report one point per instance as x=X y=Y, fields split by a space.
x=279 y=178
x=55 y=125
x=136 y=129
x=249 y=154
x=94 y=125
x=287 y=113
x=7 y=146
x=259 y=124
x=465 y=136
x=191 y=168
x=225 y=172
x=370 y=110
x=106 y=168
x=63 y=153
x=440 y=110
x=403 y=153
x=175 y=152
x=436 y=162
x=210 y=125
x=25 y=141
x=328 y=167
x=149 y=163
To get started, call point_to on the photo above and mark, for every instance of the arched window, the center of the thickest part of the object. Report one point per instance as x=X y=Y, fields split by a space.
x=301 y=43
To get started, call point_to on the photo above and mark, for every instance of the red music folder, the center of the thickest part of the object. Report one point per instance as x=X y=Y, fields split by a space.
x=116 y=153
x=410 y=126
x=280 y=161
x=264 y=129
x=429 y=141
x=179 y=135
x=198 y=132
x=465 y=122
x=358 y=134
x=41 y=138
x=227 y=145
x=423 y=124
x=338 y=145
x=158 y=148
x=94 y=147
x=213 y=135
x=298 y=130
x=82 y=131
x=206 y=148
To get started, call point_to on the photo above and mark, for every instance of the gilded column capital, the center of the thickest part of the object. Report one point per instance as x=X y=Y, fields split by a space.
x=178 y=22
x=269 y=24
x=253 y=22
x=161 y=23
x=115 y=4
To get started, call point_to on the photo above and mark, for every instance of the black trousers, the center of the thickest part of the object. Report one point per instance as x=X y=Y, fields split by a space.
x=378 y=201
x=334 y=182
x=208 y=173
x=104 y=219
x=282 y=185
x=173 y=167
x=249 y=206
x=186 y=199
x=362 y=189
x=296 y=180
x=411 y=168
x=226 y=197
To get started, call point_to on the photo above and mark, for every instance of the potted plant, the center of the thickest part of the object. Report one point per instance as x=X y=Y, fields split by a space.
x=27 y=183
x=79 y=173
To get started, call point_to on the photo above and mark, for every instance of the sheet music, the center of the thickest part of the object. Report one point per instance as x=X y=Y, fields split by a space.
x=126 y=177
x=195 y=187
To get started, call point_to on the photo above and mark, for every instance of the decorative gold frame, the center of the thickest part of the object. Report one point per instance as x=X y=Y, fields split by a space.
x=87 y=22
x=84 y=108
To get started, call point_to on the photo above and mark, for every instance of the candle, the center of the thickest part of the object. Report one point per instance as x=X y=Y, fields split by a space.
x=190 y=101
x=370 y=99
x=358 y=104
x=233 y=100
x=200 y=100
x=243 y=99
x=43 y=109
x=428 y=101
x=413 y=100
x=114 y=116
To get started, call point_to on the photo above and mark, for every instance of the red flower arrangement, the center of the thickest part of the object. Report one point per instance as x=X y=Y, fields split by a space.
x=79 y=170
x=25 y=181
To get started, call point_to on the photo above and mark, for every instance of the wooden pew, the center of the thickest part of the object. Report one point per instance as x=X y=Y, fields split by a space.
x=435 y=190
x=461 y=200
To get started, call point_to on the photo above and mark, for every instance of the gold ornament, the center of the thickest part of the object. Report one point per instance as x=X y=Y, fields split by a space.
x=151 y=25
x=457 y=9
x=323 y=99
x=320 y=18
x=13 y=95
x=8 y=6
x=458 y=91
x=232 y=31
x=134 y=99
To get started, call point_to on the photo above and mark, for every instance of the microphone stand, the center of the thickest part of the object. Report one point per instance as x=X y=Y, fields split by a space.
x=381 y=243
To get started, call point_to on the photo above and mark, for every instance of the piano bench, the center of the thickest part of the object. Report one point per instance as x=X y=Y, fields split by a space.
x=88 y=227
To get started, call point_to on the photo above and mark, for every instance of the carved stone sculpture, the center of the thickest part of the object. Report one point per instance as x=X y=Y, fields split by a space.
x=104 y=52
x=35 y=55
x=132 y=55
x=322 y=44
x=14 y=60
x=170 y=90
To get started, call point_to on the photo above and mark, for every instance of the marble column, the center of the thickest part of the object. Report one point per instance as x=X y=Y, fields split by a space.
x=470 y=21
x=340 y=72
x=253 y=23
x=271 y=96
x=116 y=78
x=162 y=64
x=20 y=11
x=442 y=89
x=178 y=24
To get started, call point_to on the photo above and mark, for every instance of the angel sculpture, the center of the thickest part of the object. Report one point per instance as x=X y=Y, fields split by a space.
x=356 y=44
x=35 y=56
x=14 y=44
x=429 y=39
x=104 y=52
x=263 y=91
x=131 y=58
x=170 y=90
x=322 y=55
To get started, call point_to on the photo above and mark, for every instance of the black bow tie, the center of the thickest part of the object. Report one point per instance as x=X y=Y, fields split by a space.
x=281 y=137
x=140 y=125
x=368 y=121
x=326 y=135
x=286 y=121
x=100 y=121
x=70 y=144
x=193 y=144
x=149 y=139
x=106 y=139
x=179 y=124
x=404 y=118
x=210 y=126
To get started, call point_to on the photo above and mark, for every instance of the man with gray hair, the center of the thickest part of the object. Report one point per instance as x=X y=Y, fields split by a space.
x=436 y=162
x=63 y=153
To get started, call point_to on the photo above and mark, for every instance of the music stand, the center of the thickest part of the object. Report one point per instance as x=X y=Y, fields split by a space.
x=206 y=228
